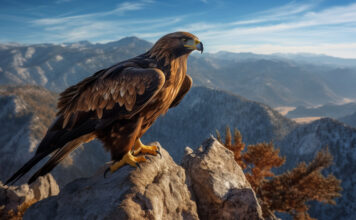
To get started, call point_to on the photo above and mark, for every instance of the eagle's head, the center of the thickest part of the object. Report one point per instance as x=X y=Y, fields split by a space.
x=175 y=45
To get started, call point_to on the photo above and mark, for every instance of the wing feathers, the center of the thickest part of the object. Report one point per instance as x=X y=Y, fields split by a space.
x=140 y=89
x=131 y=87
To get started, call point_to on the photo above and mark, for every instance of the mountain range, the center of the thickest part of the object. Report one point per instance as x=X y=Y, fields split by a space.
x=349 y=119
x=276 y=80
x=201 y=112
x=328 y=110
x=305 y=140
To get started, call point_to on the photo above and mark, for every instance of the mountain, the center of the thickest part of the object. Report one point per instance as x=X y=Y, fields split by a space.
x=275 y=80
x=285 y=79
x=349 y=120
x=327 y=110
x=59 y=66
x=302 y=144
x=318 y=58
x=303 y=58
x=204 y=110
x=25 y=114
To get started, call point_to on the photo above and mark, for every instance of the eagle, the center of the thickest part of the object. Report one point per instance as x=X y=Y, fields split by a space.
x=118 y=105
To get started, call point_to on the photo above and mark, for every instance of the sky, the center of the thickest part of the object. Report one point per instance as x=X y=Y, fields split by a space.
x=265 y=27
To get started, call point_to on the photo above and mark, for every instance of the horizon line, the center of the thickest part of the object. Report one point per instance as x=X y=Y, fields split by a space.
x=14 y=43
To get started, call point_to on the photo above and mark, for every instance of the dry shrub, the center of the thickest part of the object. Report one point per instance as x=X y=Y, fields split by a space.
x=290 y=191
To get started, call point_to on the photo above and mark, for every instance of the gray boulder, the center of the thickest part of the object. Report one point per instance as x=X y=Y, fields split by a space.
x=15 y=199
x=156 y=191
x=215 y=188
x=218 y=184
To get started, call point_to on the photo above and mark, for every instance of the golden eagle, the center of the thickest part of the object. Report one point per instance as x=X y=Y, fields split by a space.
x=118 y=104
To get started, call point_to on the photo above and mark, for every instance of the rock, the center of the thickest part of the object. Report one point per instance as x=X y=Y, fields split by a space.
x=218 y=184
x=156 y=191
x=44 y=187
x=159 y=190
x=14 y=200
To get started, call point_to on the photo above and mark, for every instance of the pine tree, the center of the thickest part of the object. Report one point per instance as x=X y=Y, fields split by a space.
x=263 y=157
x=289 y=191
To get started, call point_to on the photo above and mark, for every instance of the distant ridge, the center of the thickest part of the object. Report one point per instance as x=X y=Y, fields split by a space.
x=276 y=80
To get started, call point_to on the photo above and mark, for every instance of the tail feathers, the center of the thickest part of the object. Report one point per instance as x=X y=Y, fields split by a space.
x=63 y=146
x=56 y=158
x=25 y=168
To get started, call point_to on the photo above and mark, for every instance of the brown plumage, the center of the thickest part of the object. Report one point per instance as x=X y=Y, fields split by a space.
x=117 y=105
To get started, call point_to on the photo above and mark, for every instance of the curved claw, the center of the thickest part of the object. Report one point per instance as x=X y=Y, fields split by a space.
x=106 y=171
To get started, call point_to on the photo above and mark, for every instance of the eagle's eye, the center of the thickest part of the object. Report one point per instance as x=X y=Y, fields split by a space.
x=184 y=39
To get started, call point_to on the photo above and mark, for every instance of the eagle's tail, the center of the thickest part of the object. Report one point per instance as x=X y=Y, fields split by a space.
x=63 y=145
x=61 y=154
x=25 y=168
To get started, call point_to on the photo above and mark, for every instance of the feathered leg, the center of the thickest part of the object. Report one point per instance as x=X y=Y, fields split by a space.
x=124 y=137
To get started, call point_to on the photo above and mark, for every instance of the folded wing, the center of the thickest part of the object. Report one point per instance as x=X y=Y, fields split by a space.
x=108 y=95
x=124 y=93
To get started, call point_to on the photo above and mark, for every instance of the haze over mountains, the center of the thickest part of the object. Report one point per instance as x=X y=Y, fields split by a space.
x=327 y=110
x=276 y=80
x=349 y=119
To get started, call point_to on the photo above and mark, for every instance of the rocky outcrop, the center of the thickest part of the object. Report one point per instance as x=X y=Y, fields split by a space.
x=215 y=186
x=14 y=200
x=218 y=184
x=157 y=190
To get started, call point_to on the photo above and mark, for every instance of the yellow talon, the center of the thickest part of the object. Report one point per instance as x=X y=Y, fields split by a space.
x=127 y=159
x=141 y=148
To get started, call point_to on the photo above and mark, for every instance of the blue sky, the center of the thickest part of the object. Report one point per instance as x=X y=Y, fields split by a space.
x=317 y=26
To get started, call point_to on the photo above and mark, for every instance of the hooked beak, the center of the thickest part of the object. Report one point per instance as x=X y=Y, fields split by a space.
x=200 y=47
x=195 y=45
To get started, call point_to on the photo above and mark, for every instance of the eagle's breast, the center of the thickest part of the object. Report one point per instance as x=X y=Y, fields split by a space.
x=162 y=101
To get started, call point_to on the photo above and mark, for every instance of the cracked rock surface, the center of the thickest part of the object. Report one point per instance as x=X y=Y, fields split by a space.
x=155 y=191
x=218 y=184
x=15 y=199
x=210 y=186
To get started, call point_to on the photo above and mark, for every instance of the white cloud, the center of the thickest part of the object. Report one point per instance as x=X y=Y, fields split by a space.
x=327 y=31
x=293 y=27
x=95 y=25
x=119 y=10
